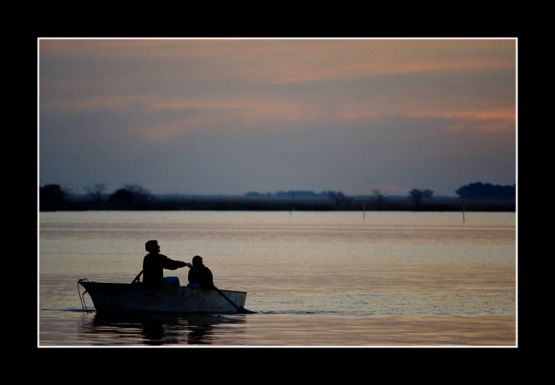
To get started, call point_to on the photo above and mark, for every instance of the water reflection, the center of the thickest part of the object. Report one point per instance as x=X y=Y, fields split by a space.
x=159 y=329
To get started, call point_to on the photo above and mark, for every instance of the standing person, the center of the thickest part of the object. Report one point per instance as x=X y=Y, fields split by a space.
x=154 y=263
x=200 y=276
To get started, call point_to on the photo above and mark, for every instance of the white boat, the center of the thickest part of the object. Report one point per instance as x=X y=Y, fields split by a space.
x=135 y=297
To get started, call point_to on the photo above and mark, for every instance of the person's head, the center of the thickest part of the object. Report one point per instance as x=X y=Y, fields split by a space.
x=197 y=261
x=152 y=246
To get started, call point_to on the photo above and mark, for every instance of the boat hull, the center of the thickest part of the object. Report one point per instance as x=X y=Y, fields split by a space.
x=124 y=297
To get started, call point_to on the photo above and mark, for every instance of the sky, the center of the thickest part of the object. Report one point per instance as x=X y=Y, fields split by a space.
x=229 y=116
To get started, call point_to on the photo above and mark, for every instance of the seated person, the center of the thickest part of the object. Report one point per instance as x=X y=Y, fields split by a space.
x=200 y=276
x=154 y=263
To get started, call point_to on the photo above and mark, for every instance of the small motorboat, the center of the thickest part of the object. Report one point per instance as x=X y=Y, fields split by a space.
x=135 y=297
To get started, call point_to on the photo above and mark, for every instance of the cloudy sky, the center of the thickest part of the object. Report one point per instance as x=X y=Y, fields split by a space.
x=229 y=116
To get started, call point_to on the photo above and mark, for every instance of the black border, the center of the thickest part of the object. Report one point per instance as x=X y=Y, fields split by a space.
x=358 y=25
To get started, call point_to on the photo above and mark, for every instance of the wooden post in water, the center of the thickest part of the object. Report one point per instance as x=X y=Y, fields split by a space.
x=463 y=218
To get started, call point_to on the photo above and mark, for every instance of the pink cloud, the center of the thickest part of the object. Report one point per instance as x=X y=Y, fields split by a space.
x=257 y=113
x=259 y=65
x=92 y=103
x=485 y=120
x=250 y=112
x=300 y=61
x=370 y=68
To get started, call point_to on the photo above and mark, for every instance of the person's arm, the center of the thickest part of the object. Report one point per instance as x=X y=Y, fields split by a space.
x=170 y=264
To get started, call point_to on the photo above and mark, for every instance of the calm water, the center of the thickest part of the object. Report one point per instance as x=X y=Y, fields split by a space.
x=314 y=278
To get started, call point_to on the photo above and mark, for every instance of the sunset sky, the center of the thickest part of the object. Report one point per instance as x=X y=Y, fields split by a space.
x=224 y=116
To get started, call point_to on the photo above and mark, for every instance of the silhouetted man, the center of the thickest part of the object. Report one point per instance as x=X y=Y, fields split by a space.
x=154 y=263
x=200 y=276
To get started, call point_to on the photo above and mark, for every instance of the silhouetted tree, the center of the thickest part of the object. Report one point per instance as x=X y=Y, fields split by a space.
x=140 y=194
x=129 y=195
x=417 y=195
x=95 y=192
x=479 y=190
x=122 y=195
x=338 y=197
x=379 y=197
x=52 y=196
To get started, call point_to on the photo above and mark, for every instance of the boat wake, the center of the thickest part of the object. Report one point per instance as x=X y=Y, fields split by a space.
x=68 y=309
x=336 y=313
x=261 y=312
x=299 y=312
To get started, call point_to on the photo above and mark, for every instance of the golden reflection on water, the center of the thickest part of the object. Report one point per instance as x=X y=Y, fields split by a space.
x=316 y=278
x=280 y=330
x=381 y=331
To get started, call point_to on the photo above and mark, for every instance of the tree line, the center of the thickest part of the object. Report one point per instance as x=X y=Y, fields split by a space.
x=479 y=190
x=478 y=195
x=53 y=196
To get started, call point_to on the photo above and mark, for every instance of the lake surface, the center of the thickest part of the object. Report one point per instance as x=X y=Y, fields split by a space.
x=314 y=278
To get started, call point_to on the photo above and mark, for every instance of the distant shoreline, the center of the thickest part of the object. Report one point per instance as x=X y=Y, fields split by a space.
x=239 y=204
